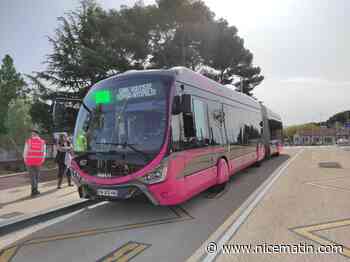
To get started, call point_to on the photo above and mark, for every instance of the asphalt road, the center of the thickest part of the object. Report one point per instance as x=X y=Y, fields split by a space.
x=137 y=230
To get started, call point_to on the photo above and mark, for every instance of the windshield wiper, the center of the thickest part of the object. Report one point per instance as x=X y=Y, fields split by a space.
x=82 y=154
x=86 y=107
x=131 y=146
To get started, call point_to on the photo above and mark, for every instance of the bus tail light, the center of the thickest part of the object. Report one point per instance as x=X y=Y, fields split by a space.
x=156 y=176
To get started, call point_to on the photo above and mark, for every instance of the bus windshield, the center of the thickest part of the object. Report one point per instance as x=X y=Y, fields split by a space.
x=123 y=116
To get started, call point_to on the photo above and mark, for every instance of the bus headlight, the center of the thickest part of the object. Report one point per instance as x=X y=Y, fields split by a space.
x=156 y=176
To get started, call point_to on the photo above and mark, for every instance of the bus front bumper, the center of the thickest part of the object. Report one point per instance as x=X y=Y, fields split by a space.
x=111 y=192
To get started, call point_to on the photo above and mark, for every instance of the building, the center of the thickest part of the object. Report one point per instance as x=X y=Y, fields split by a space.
x=343 y=133
x=316 y=136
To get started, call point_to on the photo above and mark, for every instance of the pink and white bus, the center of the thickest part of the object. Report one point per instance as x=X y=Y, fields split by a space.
x=272 y=132
x=167 y=134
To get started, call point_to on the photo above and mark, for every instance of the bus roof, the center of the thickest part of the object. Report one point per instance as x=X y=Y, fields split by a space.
x=185 y=75
x=192 y=78
x=272 y=115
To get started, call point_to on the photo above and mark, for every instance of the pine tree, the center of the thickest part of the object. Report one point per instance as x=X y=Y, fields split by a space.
x=11 y=86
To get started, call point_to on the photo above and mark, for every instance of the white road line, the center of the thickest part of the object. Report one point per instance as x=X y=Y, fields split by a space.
x=241 y=219
x=97 y=205
x=328 y=187
x=8 y=240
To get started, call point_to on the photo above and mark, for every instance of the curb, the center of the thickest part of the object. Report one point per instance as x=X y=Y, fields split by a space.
x=42 y=216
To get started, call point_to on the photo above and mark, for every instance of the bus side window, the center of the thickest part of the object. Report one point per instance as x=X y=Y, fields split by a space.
x=176 y=133
x=216 y=120
x=196 y=129
x=232 y=125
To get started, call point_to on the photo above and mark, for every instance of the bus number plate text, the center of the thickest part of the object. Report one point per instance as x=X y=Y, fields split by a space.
x=107 y=192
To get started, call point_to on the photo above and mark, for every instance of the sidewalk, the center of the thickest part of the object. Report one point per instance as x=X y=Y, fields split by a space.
x=309 y=204
x=16 y=202
x=21 y=179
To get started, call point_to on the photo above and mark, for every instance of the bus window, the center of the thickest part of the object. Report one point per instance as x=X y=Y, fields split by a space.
x=201 y=120
x=216 y=117
x=251 y=129
x=232 y=124
x=275 y=129
x=196 y=129
x=176 y=133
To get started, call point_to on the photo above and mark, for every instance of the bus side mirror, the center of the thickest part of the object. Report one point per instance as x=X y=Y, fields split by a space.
x=186 y=104
x=176 y=108
x=261 y=123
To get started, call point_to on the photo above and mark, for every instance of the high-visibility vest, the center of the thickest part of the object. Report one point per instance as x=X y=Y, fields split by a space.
x=81 y=143
x=35 y=152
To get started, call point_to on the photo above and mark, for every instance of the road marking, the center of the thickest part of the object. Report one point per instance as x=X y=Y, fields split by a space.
x=125 y=253
x=8 y=240
x=180 y=215
x=321 y=183
x=329 y=187
x=309 y=233
x=232 y=224
x=8 y=254
x=327 y=179
x=98 y=204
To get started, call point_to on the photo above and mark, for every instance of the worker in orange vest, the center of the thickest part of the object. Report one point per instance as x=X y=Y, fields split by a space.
x=34 y=158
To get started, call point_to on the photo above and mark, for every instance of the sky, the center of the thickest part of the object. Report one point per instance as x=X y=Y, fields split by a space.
x=301 y=47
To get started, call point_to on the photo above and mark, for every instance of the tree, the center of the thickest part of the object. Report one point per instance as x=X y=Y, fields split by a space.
x=250 y=78
x=43 y=100
x=11 y=86
x=92 y=44
x=341 y=117
x=177 y=33
x=18 y=121
x=40 y=110
x=89 y=45
x=290 y=131
x=222 y=48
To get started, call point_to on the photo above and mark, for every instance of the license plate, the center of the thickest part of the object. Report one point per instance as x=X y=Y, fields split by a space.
x=74 y=173
x=107 y=192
